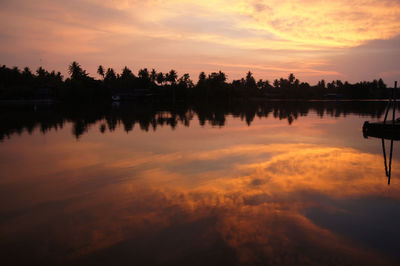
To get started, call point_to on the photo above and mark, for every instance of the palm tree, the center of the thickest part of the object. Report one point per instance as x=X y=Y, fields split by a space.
x=321 y=84
x=171 y=76
x=291 y=78
x=100 y=71
x=27 y=72
x=260 y=84
x=153 y=75
x=144 y=74
x=126 y=73
x=250 y=81
x=41 y=72
x=59 y=77
x=202 y=76
x=381 y=84
x=110 y=74
x=186 y=81
x=222 y=76
x=160 y=78
x=276 y=83
x=76 y=71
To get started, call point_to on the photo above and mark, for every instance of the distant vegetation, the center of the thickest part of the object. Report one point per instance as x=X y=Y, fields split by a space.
x=80 y=87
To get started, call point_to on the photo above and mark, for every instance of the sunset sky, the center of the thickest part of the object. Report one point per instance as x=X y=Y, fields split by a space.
x=314 y=39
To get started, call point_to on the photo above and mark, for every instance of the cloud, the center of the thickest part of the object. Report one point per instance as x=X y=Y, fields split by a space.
x=372 y=60
x=341 y=23
x=271 y=38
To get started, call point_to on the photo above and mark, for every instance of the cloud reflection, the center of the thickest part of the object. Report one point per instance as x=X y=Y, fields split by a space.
x=257 y=209
x=250 y=201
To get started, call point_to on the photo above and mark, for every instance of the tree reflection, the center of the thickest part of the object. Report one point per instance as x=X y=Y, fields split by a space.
x=152 y=115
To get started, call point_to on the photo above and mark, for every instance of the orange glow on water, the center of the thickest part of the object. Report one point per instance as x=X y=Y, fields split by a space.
x=246 y=187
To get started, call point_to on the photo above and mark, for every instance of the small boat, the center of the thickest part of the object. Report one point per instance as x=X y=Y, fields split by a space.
x=116 y=98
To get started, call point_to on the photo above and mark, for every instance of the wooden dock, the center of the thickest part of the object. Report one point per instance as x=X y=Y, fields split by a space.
x=386 y=130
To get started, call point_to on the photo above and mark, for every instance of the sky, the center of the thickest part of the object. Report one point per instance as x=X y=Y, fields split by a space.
x=349 y=40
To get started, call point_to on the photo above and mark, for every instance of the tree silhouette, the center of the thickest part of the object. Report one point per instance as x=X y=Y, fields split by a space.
x=250 y=81
x=153 y=75
x=41 y=72
x=110 y=75
x=126 y=73
x=202 y=76
x=27 y=72
x=291 y=78
x=381 y=84
x=76 y=71
x=171 y=76
x=100 y=71
x=144 y=74
x=185 y=81
x=17 y=84
x=276 y=83
x=321 y=84
x=160 y=78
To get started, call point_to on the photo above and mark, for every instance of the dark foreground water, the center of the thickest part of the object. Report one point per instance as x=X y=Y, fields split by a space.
x=276 y=183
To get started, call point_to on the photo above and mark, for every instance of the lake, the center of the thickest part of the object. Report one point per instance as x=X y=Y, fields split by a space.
x=238 y=183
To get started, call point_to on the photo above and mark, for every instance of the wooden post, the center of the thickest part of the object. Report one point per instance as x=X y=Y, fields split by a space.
x=390 y=161
x=394 y=100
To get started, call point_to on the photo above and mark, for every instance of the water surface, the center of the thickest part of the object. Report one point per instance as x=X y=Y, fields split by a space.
x=281 y=183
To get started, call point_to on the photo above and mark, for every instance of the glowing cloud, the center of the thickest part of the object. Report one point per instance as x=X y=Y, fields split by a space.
x=271 y=38
x=326 y=23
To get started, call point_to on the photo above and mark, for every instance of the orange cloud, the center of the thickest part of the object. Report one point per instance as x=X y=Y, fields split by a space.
x=326 y=23
x=271 y=38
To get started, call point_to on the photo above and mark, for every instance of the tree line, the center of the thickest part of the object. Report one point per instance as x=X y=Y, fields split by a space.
x=79 y=86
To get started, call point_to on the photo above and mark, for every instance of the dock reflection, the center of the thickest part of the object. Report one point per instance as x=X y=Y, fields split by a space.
x=388 y=167
x=387 y=156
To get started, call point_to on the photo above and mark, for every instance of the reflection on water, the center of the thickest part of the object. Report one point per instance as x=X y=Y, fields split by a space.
x=306 y=192
x=388 y=166
x=153 y=115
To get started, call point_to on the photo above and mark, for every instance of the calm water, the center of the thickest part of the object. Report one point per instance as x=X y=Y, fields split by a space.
x=242 y=184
